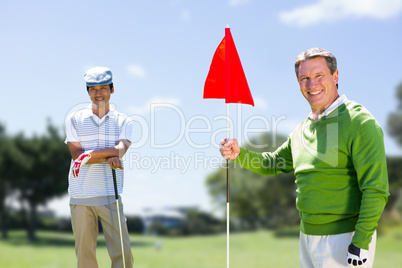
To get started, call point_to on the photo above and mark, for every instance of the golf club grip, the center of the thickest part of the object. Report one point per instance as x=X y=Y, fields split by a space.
x=116 y=193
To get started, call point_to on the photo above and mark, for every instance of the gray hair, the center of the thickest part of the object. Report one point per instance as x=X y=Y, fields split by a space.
x=314 y=53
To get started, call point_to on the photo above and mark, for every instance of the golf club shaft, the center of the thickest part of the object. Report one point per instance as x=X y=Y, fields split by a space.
x=116 y=193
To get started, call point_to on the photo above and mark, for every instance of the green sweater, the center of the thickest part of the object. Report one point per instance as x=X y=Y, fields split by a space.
x=340 y=168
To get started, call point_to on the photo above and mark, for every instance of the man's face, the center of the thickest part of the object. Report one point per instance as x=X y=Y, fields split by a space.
x=317 y=84
x=100 y=95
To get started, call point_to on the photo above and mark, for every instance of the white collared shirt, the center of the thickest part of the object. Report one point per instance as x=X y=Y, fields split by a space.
x=94 y=133
x=338 y=102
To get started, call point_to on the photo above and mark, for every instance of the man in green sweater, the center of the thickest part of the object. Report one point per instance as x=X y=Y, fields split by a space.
x=338 y=158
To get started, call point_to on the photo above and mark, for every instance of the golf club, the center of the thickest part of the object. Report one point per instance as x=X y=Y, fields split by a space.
x=118 y=216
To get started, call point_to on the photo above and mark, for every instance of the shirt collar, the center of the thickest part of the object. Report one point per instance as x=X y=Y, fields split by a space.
x=88 y=111
x=338 y=102
x=111 y=112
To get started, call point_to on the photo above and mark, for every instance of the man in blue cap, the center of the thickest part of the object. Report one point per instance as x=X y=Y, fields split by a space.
x=98 y=137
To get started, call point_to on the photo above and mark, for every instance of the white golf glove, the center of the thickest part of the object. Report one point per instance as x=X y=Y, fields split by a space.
x=357 y=257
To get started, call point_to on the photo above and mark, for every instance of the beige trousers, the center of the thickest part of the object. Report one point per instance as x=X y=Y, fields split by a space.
x=84 y=221
x=329 y=250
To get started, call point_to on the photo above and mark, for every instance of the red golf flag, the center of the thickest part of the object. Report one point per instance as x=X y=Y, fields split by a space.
x=226 y=78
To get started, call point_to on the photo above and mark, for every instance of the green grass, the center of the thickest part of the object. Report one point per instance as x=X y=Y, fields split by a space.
x=257 y=249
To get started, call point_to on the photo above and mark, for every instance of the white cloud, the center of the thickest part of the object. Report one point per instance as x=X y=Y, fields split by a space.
x=235 y=3
x=145 y=109
x=260 y=103
x=185 y=15
x=331 y=11
x=136 y=70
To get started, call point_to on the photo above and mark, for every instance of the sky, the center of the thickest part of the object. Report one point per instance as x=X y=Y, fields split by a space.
x=160 y=53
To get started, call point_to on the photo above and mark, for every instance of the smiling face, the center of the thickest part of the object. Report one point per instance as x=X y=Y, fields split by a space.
x=317 y=84
x=100 y=96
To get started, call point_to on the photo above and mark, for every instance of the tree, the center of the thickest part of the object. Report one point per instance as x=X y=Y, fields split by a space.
x=395 y=182
x=395 y=118
x=257 y=200
x=43 y=167
x=394 y=163
x=10 y=168
x=201 y=223
x=3 y=190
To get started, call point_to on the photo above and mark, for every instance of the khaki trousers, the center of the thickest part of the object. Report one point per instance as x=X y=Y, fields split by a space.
x=84 y=221
x=329 y=250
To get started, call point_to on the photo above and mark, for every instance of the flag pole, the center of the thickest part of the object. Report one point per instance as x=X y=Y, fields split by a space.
x=227 y=88
x=226 y=80
x=227 y=190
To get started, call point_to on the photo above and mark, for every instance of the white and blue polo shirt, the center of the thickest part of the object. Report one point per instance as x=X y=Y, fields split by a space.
x=94 y=185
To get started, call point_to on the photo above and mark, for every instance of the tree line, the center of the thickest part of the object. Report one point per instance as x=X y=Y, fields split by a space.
x=33 y=170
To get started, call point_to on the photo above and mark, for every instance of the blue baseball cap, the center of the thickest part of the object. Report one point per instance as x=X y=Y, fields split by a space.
x=98 y=76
